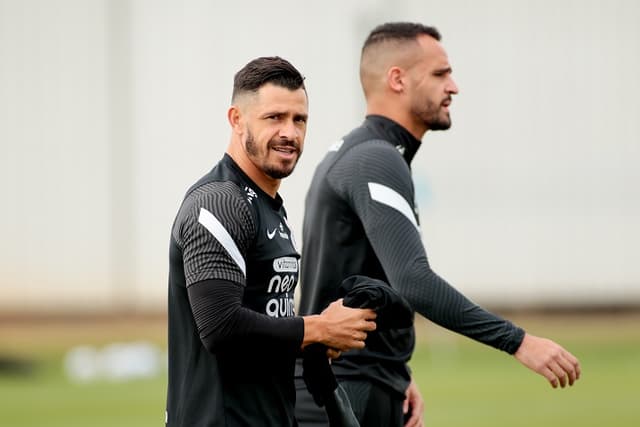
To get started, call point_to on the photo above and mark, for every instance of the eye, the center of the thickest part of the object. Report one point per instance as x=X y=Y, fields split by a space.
x=442 y=72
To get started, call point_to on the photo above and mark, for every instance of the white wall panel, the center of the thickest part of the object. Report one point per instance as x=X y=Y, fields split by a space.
x=109 y=110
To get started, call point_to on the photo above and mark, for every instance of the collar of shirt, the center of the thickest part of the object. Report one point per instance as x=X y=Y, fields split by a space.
x=397 y=135
x=274 y=202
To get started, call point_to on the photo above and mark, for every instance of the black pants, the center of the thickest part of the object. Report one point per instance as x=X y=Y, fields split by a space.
x=373 y=405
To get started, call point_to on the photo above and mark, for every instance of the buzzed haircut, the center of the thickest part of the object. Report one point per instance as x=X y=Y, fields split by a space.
x=263 y=70
x=399 y=31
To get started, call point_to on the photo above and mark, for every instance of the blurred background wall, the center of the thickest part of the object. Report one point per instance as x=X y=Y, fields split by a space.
x=110 y=109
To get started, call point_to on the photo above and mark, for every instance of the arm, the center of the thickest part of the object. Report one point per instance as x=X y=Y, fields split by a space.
x=385 y=211
x=220 y=317
x=376 y=182
x=216 y=280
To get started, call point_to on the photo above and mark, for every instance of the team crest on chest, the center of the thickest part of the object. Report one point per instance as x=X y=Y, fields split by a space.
x=250 y=194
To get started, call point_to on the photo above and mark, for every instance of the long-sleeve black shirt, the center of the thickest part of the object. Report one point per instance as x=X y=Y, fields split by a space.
x=233 y=333
x=361 y=218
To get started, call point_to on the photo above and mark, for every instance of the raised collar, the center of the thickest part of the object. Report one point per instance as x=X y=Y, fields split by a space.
x=388 y=130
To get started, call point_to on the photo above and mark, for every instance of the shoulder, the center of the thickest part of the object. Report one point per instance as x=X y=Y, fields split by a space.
x=373 y=150
x=219 y=197
x=373 y=160
x=221 y=202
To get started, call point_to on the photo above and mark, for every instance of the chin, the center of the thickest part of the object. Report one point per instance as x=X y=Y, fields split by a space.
x=279 y=173
x=440 y=126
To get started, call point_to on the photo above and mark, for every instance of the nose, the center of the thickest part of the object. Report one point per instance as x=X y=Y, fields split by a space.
x=452 y=87
x=289 y=131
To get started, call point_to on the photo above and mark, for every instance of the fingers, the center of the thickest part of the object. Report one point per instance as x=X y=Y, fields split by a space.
x=414 y=405
x=369 y=314
x=572 y=369
x=369 y=326
x=574 y=364
x=558 y=373
x=358 y=345
x=414 y=421
x=333 y=353
x=356 y=340
x=567 y=368
x=361 y=332
x=561 y=372
x=359 y=338
x=564 y=366
x=550 y=376
x=550 y=360
x=347 y=328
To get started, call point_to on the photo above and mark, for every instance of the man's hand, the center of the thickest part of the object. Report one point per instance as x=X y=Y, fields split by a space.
x=338 y=327
x=414 y=404
x=549 y=359
x=332 y=353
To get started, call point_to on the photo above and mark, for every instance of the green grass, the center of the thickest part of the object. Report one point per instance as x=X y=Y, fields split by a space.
x=463 y=383
x=467 y=384
x=48 y=399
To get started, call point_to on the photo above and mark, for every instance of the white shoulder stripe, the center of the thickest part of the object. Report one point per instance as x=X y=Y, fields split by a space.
x=385 y=195
x=221 y=234
x=336 y=146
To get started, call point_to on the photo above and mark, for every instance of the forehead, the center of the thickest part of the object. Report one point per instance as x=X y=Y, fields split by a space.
x=271 y=97
x=432 y=53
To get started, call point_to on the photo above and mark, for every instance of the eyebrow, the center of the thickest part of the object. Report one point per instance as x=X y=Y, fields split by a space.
x=444 y=70
x=284 y=113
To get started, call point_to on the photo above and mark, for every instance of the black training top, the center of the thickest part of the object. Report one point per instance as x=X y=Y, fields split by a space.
x=233 y=337
x=361 y=218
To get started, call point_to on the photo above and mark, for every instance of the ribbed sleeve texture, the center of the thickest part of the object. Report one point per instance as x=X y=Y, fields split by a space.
x=220 y=317
x=204 y=257
x=398 y=246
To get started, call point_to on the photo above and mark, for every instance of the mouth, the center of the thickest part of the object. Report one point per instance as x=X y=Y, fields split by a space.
x=445 y=104
x=285 y=151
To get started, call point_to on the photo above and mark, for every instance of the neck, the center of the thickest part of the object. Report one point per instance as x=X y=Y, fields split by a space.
x=417 y=129
x=266 y=183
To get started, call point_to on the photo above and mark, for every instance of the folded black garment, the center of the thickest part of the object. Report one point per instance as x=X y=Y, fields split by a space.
x=392 y=310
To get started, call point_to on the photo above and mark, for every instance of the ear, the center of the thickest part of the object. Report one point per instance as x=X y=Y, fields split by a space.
x=396 y=79
x=234 y=115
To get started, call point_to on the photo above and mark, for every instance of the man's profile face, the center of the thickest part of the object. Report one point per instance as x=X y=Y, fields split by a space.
x=432 y=85
x=276 y=124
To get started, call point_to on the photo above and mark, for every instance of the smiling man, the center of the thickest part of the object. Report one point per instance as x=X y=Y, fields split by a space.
x=233 y=333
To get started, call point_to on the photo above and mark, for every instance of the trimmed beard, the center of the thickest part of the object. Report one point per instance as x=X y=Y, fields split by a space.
x=430 y=116
x=271 y=171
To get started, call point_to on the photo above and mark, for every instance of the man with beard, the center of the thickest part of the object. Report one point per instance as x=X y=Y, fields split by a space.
x=360 y=219
x=233 y=333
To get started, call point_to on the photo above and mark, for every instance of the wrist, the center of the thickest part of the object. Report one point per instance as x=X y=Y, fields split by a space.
x=313 y=326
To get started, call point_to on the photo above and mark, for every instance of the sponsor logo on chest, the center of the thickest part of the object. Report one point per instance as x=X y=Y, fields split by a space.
x=281 y=287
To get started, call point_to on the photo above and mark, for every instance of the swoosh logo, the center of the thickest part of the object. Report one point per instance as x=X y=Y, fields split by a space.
x=272 y=234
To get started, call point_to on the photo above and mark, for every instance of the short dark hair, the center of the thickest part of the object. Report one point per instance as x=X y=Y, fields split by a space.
x=267 y=69
x=399 y=31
